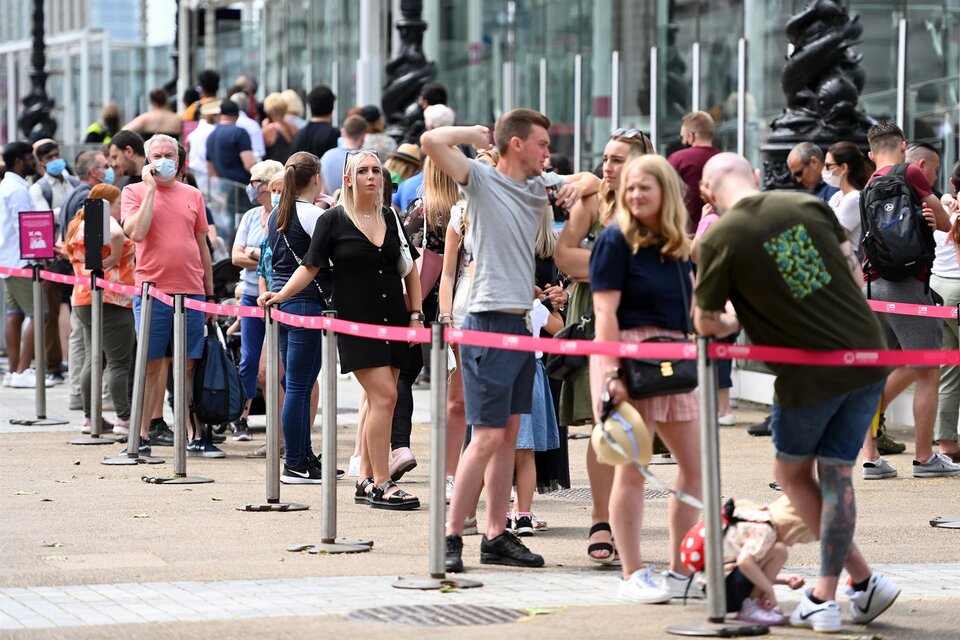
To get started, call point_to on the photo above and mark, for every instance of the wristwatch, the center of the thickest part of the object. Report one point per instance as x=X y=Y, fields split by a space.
x=417 y=316
x=445 y=317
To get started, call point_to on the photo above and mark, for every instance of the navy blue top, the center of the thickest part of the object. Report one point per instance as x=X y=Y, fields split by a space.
x=284 y=262
x=651 y=294
x=224 y=146
x=824 y=191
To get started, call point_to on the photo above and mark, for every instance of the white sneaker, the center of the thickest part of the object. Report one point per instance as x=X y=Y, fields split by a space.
x=448 y=491
x=727 y=421
x=121 y=427
x=878 y=470
x=644 y=587
x=470 y=526
x=822 y=618
x=353 y=470
x=7 y=379
x=686 y=587
x=939 y=466
x=875 y=599
x=26 y=380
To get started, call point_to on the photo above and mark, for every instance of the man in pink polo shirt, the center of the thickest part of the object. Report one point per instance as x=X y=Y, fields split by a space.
x=167 y=221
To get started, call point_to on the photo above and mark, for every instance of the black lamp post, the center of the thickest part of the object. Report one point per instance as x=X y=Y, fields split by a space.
x=36 y=121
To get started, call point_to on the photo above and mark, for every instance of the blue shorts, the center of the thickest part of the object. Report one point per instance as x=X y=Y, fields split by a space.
x=497 y=383
x=832 y=430
x=161 y=330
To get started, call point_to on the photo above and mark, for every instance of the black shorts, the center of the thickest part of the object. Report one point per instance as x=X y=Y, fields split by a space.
x=738 y=589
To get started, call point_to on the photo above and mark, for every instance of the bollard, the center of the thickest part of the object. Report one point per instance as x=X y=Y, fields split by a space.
x=180 y=405
x=272 y=396
x=96 y=366
x=329 y=542
x=716 y=625
x=438 y=475
x=39 y=346
x=139 y=380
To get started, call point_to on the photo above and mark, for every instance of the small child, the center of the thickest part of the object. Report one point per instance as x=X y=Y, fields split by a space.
x=752 y=557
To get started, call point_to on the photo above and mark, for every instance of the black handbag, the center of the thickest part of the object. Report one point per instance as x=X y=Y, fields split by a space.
x=649 y=377
x=559 y=366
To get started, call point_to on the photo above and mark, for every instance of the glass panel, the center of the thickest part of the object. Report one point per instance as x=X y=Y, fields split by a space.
x=879 y=48
x=676 y=32
x=720 y=29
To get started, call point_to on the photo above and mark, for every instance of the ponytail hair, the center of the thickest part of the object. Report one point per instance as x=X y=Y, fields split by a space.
x=299 y=170
x=859 y=167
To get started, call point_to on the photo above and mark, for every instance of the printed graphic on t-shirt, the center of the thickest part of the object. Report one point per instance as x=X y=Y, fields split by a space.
x=798 y=261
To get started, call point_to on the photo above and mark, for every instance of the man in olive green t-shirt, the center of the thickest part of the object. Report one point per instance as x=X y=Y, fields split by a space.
x=783 y=261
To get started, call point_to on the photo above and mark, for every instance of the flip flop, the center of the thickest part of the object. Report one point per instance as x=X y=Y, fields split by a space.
x=613 y=559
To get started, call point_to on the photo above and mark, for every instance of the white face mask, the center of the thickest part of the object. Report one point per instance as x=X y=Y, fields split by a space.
x=830 y=178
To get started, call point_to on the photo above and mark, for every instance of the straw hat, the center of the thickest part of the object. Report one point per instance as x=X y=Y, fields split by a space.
x=408 y=153
x=622 y=437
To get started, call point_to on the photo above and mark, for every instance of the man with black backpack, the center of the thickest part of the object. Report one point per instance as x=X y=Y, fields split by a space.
x=897 y=209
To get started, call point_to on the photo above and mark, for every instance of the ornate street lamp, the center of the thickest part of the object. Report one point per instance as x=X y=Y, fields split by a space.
x=36 y=121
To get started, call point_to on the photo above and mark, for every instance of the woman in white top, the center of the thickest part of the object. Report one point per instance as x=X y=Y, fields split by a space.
x=847 y=169
x=945 y=280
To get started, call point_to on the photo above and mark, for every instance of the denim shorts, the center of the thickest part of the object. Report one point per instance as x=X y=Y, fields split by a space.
x=161 y=330
x=832 y=430
x=497 y=383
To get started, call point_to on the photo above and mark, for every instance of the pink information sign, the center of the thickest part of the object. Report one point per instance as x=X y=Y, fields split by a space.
x=36 y=235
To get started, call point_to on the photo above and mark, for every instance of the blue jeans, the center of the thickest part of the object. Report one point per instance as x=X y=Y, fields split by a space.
x=301 y=350
x=251 y=344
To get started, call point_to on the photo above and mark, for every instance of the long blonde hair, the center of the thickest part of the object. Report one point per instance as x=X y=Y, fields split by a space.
x=640 y=145
x=440 y=193
x=348 y=198
x=672 y=237
x=546 y=243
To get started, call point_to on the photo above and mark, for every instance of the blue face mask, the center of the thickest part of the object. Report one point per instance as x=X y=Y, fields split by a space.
x=109 y=175
x=56 y=167
x=166 y=168
x=274 y=200
x=253 y=193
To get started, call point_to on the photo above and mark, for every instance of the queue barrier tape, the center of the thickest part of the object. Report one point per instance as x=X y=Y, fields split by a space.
x=669 y=350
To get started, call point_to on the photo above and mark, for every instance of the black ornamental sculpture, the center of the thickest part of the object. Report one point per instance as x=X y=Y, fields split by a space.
x=407 y=72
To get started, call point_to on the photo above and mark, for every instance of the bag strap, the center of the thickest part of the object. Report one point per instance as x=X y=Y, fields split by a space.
x=403 y=238
x=323 y=296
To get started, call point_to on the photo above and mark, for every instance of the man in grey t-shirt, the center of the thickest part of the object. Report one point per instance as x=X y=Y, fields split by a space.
x=504 y=207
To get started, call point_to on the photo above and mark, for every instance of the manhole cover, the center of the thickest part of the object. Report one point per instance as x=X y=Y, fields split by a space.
x=583 y=494
x=444 y=615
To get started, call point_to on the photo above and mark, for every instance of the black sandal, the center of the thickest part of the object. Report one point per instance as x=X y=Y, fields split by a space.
x=399 y=500
x=602 y=546
x=364 y=491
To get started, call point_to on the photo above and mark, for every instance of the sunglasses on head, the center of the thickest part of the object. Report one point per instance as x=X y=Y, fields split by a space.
x=354 y=152
x=629 y=134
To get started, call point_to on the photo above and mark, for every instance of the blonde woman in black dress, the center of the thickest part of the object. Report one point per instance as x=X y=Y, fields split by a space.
x=361 y=240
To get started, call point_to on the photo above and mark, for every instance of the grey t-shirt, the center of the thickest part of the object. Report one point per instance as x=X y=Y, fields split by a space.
x=504 y=216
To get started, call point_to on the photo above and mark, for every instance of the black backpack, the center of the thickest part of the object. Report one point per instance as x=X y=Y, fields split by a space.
x=897 y=241
x=218 y=396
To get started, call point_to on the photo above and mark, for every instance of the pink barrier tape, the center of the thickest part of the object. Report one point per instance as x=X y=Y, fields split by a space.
x=902 y=308
x=223 y=309
x=62 y=279
x=672 y=350
x=161 y=296
x=839 y=358
x=16 y=273
x=116 y=287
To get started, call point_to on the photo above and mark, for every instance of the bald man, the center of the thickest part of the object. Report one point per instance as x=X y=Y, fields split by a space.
x=784 y=263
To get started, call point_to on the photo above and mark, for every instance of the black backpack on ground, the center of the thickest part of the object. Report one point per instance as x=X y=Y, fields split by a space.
x=897 y=241
x=218 y=396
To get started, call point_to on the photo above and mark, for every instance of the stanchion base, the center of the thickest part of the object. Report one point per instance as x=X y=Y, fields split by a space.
x=945 y=523
x=718 y=629
x=39 y=422
x=342 y=545
x=176 y=480
x=435 y=584
x=91 y=440
x=273 y=506
x=126 y=460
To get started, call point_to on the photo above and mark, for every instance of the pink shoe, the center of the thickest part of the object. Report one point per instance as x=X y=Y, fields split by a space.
x=105 y=426
x=751 y=612
x=402 y=460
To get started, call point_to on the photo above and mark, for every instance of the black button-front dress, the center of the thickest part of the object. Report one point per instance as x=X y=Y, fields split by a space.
x=366 y=287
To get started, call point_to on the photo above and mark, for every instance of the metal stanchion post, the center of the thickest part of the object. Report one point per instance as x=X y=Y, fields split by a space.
x=39 y=346
x=715 y=626
x=329 y=542
x=272 y=396
x=139 y=382
x=438 y=457
x=180 y=408
x=96 y=365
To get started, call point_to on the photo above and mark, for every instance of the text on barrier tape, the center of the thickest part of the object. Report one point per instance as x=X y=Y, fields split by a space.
x=16 y=273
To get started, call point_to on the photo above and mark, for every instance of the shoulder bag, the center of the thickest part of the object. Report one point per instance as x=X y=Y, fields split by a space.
x=649 y=377
x=430 y=263
x=560 y=366
x=323 y=296
x=405 y=261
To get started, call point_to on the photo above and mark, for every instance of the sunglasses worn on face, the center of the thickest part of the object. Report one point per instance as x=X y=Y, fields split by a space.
x=799 y=174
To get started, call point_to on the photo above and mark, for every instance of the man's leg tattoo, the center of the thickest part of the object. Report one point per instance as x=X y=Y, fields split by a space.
x=838 y=518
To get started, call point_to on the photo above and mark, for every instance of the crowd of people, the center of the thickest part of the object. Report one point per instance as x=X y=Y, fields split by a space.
x=460 y=229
